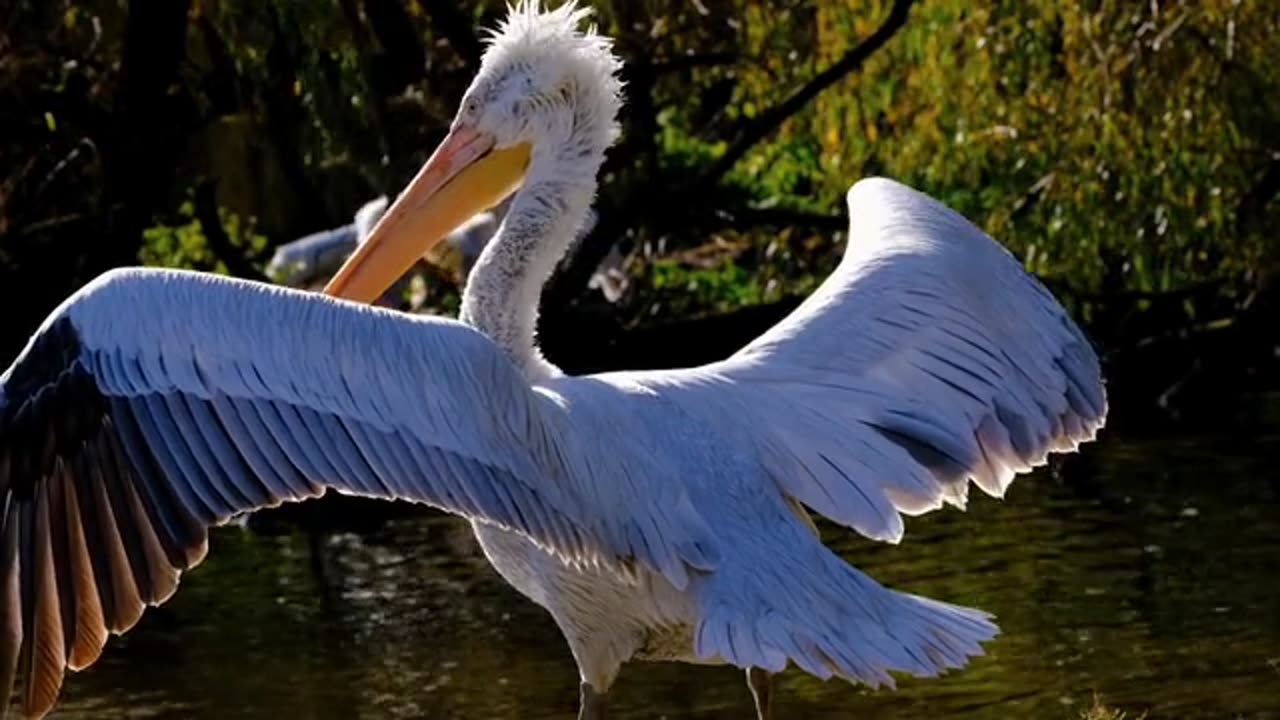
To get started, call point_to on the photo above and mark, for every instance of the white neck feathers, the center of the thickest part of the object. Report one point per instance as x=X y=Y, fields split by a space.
x=505 y=287
x=568 y=102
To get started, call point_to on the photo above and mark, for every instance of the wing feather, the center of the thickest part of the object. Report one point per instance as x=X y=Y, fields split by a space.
x=269 y=432
x=60 y=559
x=118 y=451
x=11 y=619
x=90 y=622
x=131 y=542
x=377 y=477
x=929 y=359
x=207 y=429
x=265 y=460
x=46 y=662
x=148 y=449
x=155 y=404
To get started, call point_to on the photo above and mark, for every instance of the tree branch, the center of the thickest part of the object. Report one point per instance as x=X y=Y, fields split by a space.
x=771 y=119
x=614 y=223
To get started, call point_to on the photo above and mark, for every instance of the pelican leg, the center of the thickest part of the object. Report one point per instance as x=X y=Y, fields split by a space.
x=761 y=682
x=593 y=705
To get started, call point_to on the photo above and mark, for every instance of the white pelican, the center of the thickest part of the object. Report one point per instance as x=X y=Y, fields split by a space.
x=302 y=261
x=655 y=515
x=315 y=257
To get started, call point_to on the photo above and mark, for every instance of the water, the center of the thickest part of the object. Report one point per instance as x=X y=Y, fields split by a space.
x=1147 y=571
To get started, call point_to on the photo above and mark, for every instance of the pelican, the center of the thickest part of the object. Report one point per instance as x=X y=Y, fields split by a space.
x=302 y=261
x=313 y=258
x=660 y=515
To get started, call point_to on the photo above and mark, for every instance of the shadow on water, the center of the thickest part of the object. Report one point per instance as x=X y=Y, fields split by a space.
x=1145 y=571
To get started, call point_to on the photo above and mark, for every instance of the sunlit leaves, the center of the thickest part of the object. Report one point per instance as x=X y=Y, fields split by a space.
x=183 y=244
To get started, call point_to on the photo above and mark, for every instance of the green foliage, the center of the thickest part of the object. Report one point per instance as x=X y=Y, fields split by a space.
x=1111 y=145
x=730 y=284
x=184 y=245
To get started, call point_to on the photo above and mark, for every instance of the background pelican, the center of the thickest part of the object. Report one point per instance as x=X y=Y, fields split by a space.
x=655 y=515
x=313 y=259
x=318 y=255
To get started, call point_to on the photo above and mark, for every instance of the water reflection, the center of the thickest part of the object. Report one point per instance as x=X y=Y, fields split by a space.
x=1147 y=573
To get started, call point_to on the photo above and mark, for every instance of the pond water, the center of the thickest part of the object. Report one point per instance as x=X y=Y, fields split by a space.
x=1147 y=571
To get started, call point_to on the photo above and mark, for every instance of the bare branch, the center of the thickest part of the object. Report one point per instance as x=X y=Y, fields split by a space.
x=614 y=223
x=764 y=124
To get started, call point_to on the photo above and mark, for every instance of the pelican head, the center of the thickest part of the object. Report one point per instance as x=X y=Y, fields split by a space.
x=542 y=108
x=544 y=81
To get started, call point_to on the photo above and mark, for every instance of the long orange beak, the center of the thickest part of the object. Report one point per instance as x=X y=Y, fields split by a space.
x=464 y=176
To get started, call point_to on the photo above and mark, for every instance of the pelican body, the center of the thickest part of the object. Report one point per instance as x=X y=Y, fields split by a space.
x=656 y=515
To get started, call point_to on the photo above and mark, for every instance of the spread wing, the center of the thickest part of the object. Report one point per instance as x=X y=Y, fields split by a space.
x=929 y=359
x=154 y=404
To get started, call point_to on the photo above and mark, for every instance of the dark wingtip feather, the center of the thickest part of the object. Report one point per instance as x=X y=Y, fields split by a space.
x=90 y=624
x=10 y=609
x=47 y=654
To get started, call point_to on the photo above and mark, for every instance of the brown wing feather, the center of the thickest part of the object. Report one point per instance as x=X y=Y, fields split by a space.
x=91 y=624
x=46 y=658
